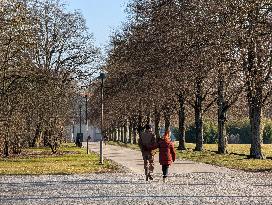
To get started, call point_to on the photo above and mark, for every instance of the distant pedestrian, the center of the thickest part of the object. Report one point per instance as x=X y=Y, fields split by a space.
x=147 y=139
x=89 y=138
x=105 y=139
x=167 y=153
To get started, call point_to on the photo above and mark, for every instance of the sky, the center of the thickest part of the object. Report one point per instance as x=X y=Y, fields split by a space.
x=102 y=16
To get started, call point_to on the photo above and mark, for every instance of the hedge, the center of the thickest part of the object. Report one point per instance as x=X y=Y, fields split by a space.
x=237 y=132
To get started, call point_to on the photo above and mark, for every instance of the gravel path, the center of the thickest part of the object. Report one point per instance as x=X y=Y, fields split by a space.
x=217 y=186
x=194 y=188
x=132 y=159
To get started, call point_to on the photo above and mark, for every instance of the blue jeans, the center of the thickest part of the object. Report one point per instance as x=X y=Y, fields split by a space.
x=165 y=170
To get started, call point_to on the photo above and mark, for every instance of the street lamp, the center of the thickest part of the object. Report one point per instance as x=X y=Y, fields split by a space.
x=80 y=107
x=73 y=131
x=86 y=115
x=86 y=87
x=79 y=137
x=85 y=96
x=102 y=77
x=86 y=110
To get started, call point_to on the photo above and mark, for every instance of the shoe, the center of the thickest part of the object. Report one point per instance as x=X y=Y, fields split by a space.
x=146 y=177
x=150 y=177
x=164 y=179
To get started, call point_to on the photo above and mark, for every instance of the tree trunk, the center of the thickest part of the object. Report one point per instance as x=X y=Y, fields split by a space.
x=134 y=130
x=255 y=98
x=181 y=123
x=118 y=134
x=222 y=110
x=46 y=138
x=114 y=134
x=255 y=113
x=54 y=146
x=148 y=119
x=140 y=128
x=16 y=145
x=130 y=132
x=6 y=149
x=157 y=123
x=36 y=137
x=126 y=132
x=122 y=134
x=110 y=134
x=198 y=116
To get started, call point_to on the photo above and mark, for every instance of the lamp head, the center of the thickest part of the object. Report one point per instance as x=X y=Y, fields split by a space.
x=102 y=76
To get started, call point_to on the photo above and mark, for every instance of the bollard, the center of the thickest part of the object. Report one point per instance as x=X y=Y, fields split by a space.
x=88 y=139
x=87 y=146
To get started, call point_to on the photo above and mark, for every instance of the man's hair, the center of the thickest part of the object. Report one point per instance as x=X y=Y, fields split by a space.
x=147 y=126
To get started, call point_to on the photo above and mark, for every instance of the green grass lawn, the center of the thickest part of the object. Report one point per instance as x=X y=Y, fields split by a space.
x=236 y=159
x=69 y=160
x=131 y=146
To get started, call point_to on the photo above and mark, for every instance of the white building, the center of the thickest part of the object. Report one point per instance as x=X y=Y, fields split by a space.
x=89 y=130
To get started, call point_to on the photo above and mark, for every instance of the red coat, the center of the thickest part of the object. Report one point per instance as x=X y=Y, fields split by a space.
x=167 y=152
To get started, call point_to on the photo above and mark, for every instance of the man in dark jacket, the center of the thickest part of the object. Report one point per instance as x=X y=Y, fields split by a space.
x=147 y=139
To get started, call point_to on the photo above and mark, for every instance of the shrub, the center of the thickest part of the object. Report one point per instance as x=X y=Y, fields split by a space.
x=240 y=129
x=237 y=131
x=267 y=132
x=209 y=133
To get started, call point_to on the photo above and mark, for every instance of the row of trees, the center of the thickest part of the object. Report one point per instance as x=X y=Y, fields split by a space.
x=43 y=50
x=189 y=59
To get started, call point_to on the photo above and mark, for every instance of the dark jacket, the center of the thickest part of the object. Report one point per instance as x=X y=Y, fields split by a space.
x=147 y=139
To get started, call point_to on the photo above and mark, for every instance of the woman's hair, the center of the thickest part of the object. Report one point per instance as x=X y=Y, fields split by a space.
x=166 y=135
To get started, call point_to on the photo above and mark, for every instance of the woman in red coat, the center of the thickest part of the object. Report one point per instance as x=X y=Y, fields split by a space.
x=167 y=153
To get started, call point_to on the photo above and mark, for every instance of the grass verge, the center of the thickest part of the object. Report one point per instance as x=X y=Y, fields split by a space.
x=69 y=160
x=236 y=159
x=121 y=144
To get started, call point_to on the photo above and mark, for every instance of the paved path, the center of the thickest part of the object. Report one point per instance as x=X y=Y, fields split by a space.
x=189 y=184
x=132 y=159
